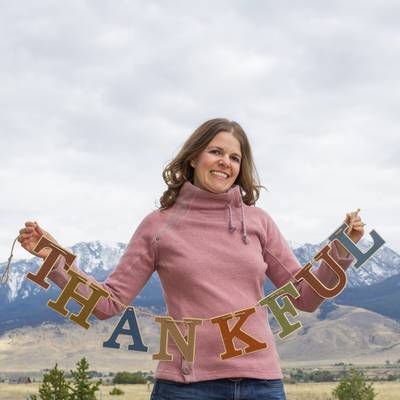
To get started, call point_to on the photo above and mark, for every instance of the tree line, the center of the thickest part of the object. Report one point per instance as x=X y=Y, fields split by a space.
x=55 y=386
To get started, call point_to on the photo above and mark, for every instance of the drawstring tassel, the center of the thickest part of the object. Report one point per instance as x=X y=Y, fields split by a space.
x=232 y=228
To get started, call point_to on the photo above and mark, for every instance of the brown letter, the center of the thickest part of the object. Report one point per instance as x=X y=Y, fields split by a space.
x=88 y=304
x=186 y=348
x=228 y=335
x=306 y=274
x=50 y=260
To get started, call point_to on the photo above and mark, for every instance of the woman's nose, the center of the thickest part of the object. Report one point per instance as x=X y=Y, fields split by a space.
x=224 y=161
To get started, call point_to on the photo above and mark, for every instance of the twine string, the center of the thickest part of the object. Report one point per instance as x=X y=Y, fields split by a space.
x=5 y=276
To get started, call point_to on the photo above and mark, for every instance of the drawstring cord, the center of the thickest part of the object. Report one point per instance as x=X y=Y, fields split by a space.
x=232 y=227
x=244 y=237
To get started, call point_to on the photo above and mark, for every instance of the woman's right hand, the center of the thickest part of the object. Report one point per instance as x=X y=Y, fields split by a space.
x=30 y=236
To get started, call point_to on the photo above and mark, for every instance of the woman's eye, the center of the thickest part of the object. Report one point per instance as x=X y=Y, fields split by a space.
x=237 y=159
x=234 y=158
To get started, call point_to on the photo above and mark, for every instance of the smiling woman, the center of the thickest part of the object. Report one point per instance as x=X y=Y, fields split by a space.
x=214 y=158
x=209 y=265
x=217 y=167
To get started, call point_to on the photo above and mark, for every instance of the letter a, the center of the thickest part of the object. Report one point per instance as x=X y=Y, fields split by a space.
x=133 y=331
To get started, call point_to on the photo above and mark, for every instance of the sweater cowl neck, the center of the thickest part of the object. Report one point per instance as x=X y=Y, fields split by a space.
x=196 y=198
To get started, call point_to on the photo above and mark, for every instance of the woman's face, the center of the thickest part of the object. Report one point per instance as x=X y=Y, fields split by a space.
x=218 y=165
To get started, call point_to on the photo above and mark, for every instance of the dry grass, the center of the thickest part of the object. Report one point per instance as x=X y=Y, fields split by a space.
x=22 y=392
x=303 y=391
x=323 y=391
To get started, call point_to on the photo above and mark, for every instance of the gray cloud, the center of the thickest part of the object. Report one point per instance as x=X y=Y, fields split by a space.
x=97 y=96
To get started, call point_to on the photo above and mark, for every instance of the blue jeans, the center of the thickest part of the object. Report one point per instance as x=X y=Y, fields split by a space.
x=219 y=389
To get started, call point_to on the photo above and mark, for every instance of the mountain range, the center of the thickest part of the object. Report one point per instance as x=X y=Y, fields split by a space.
x=23 y=303
x=362 y=324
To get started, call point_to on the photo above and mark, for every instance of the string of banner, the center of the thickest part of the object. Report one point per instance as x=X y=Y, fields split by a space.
x=168 y=326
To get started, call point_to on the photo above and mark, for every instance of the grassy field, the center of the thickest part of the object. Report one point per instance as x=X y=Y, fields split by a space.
x=302 y=391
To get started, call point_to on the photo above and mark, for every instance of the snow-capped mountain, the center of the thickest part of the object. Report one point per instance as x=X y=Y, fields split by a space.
x=95 y=258
x=99 y=258
x=382 y=265
x=23 y=302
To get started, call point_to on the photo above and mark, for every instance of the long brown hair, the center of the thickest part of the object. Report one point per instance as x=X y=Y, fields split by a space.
x=179 y=170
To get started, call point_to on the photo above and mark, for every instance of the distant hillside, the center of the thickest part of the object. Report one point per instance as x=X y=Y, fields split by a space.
x=382 y=265
x=344 y=334
x=382 y=297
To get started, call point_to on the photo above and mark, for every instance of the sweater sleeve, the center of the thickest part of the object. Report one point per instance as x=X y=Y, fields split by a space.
x=133 y=270
x=283 y=265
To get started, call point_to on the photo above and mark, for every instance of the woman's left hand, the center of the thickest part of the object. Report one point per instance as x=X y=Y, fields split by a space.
x=356 y=227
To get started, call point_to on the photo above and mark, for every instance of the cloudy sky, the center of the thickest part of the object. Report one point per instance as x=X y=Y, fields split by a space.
x=97 y=96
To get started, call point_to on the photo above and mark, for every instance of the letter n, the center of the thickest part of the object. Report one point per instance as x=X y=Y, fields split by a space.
x=187 y=348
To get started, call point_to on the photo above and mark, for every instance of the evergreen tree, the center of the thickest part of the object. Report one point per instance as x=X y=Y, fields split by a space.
x=82 y=388
x=54 y=386
x=354 y=387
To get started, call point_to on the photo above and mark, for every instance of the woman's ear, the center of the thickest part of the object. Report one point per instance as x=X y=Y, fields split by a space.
x=193 y=164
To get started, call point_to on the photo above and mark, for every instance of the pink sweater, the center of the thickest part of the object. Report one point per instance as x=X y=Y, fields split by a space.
x=213 y=254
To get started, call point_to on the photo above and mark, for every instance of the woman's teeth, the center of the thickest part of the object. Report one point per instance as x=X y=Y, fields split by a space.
x=221 y=174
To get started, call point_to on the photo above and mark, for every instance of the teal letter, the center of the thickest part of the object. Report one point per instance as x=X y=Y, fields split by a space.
x=361 y=257
x=133 y=331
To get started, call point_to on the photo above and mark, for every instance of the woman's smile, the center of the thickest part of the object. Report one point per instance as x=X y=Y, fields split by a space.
x=218 y=165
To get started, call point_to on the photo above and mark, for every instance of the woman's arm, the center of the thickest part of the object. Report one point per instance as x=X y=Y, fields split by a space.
x=283 y=265
x=133 y=270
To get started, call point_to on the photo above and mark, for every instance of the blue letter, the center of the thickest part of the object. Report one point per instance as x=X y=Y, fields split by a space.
x=361 y=257
x=129 y=315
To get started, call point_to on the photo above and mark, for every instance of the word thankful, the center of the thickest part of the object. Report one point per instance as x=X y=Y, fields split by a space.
x=168 y=326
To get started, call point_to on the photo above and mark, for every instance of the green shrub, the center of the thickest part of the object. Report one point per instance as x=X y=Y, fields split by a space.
x=129 y=377
x=353 y=386
x=116 y=391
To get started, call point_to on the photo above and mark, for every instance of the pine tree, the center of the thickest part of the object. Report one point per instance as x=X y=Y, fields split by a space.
x=54 y=386
x=82 y=388
x=354 y=387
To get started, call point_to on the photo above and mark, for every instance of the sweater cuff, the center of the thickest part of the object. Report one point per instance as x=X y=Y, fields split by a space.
x=58 y=275
x=345 y=261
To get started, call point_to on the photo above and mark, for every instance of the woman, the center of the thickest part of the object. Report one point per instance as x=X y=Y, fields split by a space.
x=212 y=249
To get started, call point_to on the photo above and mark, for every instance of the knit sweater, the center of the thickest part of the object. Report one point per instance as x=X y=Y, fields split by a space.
x=212 y=253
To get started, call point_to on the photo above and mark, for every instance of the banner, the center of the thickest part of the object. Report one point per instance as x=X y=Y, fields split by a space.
x=169 y=327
